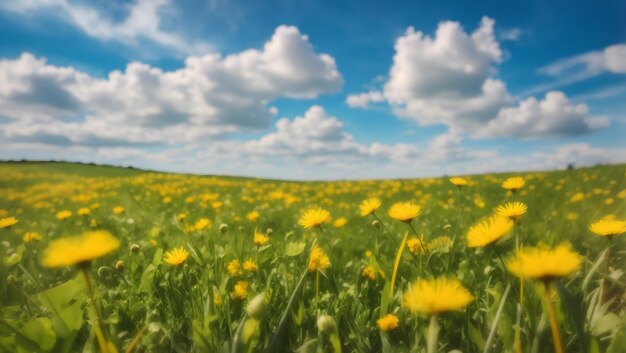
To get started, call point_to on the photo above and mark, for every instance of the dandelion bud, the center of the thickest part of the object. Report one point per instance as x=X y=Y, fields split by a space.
x=12 y=279
x=223 y=228
x=257 y=306
x=134 y=248
x=326 y=324
x=376 y=223
x=241 y=228
x=119 y=265
x=269 y=231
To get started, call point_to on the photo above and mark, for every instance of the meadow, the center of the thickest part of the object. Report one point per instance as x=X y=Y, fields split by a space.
x=104 y=259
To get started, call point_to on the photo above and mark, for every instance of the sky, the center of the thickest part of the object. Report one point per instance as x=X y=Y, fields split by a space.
x=315 y=89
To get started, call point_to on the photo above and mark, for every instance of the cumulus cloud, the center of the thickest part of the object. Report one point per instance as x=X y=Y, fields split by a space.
x=362 y=100
x=210 y=95
x=314 y=135
x=447 y=79
x=532 y=118
x=444 y=79
x=317 y=143
x=143 y=21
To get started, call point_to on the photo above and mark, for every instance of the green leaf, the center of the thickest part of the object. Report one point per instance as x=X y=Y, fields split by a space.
x=251 y=333
x=158 y=257
x=477 y=337
x=618 y=341
x=65 y=302
x=40 y=330
x=145 y=285
x=606 y=323
x=573 y=308
x=384 y=340
x=294 y=248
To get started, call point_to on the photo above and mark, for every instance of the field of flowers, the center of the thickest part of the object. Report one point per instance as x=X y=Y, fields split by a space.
x=102 y=259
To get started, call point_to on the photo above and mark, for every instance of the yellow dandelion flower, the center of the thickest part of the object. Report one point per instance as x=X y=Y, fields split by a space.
x=608 y=227
x=458 y=181
x=368 y=253
x=480 y=203
x=260 y=238
x=240 y=290
x=514 y=183
x=63 y=215
x=404 y=211
x=167 y=199
x=217 y=298
x=319 y=260
x=577 y=197
x=314 y=218
x=84 y=211
x=340 y=222
x=512 y=210
x=31 y=236
x=176 y=256
x=388 y=323
x=369 y=206
x=80 y=249
x=250 y=266
x=436 y=296
x=369 y=272
x=7 y=222
x=571 y=216
x=253 y=216
x=488 y=231
x=181 y=217
x=202 y=224
x=415 y=246
x=544 y=263
x=153 y=242
x=234 y=268
x=118 y=210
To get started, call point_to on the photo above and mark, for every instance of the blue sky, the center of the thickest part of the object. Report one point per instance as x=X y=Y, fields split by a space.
x=315 y=89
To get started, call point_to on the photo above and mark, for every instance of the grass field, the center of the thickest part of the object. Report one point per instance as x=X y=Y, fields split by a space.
x=244 y=239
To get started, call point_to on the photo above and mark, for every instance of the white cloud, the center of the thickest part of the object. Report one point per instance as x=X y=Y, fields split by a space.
x=445 y=79
x=577 y=154
x=582 y=67
x=615 y=58
x=143 y=21
x=448 y=80
x=532 y=118
x=316 y=146
x=362 y=100
x=208 y=96
x=314 y=134
x=512 y=34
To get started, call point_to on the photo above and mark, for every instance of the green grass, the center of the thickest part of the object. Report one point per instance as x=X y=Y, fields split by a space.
x=150 y=306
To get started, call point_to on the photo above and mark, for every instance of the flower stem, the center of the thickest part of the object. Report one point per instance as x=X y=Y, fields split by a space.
x=433 y=332
x=421 y=241
x=554 y=324
x=102 y=341
x=395 y=242
x=317 y=292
